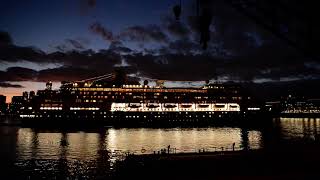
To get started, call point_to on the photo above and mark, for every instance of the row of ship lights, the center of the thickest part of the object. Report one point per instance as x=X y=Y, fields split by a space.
x=96 y=108
x=142 y=86
x=124 y=86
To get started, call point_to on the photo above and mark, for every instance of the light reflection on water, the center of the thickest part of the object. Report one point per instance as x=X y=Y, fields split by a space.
x=87 y=145
x=90 y=154
x=299 y=127
x=81 y=154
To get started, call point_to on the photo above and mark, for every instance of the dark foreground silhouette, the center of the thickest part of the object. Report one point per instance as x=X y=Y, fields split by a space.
x=284 y=162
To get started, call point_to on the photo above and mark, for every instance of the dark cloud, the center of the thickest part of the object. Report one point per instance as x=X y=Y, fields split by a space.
x=12 y=53
x=104 y=59
x=100 y=30
x=176 y=28
x=76 y=44
x=205 y=66
x=148 y=33
x=72 y=44
x=5 y=39
x=117 y=46
x=173 y=67
x=65 y=73
x=229 y=28
x=238 y=49
x=18 y=74
x=9 y=85
x=89 y=59
x=62 y=48
x=184 y=46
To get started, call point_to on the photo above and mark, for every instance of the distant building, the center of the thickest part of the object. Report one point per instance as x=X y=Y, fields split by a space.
x=16 y=103
x=25 y=95
x=3 y=105
x=300 y=105
x=32 y=94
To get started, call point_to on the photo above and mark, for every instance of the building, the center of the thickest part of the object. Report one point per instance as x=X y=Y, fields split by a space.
x=17 y=102
x=3 y=104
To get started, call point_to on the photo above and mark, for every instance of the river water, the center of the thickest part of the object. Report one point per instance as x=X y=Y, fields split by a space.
x=54 y=154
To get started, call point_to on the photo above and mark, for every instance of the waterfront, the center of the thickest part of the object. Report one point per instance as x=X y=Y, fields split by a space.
x=91 y=154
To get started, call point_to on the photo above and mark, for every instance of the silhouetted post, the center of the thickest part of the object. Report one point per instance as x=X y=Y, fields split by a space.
x=169 y=149
x=233 y=146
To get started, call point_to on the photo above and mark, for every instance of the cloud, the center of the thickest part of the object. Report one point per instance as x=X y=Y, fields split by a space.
x=76 y=44
x=13 y=53
x=184 y=46
x=62 y=48
x=83 y=59
x=18 y=74
x=5 y=38
x=238 y=50
x=148 y=33
x=9 y=85
x=117 y=46
x=65 y=73
x=176 y=28
x=100 y=30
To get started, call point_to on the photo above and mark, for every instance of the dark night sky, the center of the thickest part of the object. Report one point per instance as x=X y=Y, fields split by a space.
x=76 y=39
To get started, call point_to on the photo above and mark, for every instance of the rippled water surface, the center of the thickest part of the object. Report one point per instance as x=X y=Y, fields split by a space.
x=53 y=154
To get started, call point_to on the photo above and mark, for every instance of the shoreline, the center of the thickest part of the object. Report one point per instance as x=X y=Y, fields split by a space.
x=279 y=163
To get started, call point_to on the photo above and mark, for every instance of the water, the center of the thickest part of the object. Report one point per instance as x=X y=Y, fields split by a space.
x=55 y=154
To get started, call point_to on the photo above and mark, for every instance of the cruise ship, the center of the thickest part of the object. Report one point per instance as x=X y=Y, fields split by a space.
x=110 y=100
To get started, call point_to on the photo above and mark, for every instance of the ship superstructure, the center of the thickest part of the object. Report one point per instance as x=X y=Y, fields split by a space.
x=121 y=101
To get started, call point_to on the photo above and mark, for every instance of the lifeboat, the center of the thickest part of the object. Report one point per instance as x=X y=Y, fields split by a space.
x=186 y=105
x=170 y=106
x=203 y=105
x=219 y=106
x=152 y=105
x=134 y=105
x=233 y=106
